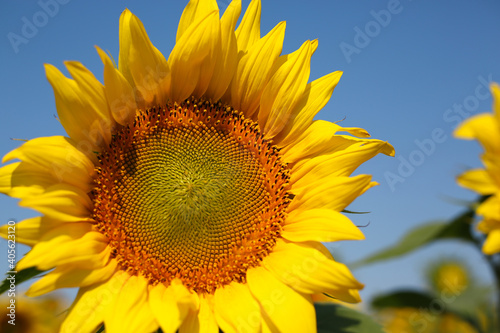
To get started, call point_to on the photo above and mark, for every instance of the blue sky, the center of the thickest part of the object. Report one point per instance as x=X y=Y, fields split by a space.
x=412 y=70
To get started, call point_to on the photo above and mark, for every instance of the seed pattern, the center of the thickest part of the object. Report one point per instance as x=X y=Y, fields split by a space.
x=190 y=191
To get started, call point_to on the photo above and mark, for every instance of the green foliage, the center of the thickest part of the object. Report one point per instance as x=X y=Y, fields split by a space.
x=334 y=318
x=20 y=276
x=458 y=228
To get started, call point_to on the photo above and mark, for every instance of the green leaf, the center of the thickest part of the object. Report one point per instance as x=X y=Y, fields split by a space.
x=334 y=318
x=19 y=277
x=402 y=299
x=458 y=228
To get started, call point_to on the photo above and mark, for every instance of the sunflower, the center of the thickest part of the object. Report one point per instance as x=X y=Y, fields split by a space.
x=192 y=193
x=486 y=129
x=449 y=277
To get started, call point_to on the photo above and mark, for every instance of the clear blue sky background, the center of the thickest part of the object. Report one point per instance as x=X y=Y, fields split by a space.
x=403 y=78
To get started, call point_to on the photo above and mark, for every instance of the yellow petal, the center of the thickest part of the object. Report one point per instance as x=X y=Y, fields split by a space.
x=93 y=94
x=284 y=89
x=321 y=225
x=340 y=163
x=356 y=131
x=236 y=310
x=492 y=243
x=130 y=311
x=22 y=180
x=495 y=92
x=57 y=156
x=171 y=305
x=141 y=63
x=119 y=93
x=68 y=243
x=490 y=208
x=194 y=11
x=70 y=276
x=31 y=230
x=478 y=180
x=314 y=98
x=320 y=138
x=248 y=32
x=305 y=268
x=484 y=128
x=225 y=65
x=89 y=127
x=201 y=321
x=254 y=70
x=280 y=303
x=334 y=193
x=62 y=202
x=91 y=304
x=187 y=60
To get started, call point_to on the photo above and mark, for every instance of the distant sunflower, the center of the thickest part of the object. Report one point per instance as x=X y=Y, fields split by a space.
x=486 y=129
x=26 y=315
x=192 y=193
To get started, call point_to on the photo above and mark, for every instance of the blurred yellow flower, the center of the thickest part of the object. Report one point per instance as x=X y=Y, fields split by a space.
x=450 y=277
x=28 y=315
x=192 y=193
x=411 y=320
x=486 y=129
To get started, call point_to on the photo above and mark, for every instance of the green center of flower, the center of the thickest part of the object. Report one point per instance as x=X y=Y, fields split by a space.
x=193 y=192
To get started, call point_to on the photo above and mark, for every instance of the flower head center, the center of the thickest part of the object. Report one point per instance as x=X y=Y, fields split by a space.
x=191 y=191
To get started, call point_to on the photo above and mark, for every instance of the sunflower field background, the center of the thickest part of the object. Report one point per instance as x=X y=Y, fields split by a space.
x=413 y=70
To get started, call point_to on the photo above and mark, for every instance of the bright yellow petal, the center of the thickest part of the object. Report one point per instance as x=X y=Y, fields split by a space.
x=484 y=128
x=334 y=193
x=236 y=310
x=62 y=202
x=478 y=180
x=22 y=180
x=141 y=63
x=313 y=99
x=321 y=138
x=171 y=305
x=31 y=230
x=71 y=276
x=339 y=163
x=119 y=93
x=68 y=243
x=57 y=156
x=225 y=65
x=306 y=269
x=356 y=131
x=490 y=208
x=248 y=32
x=254 y=69
x=92 y=93
x=89 y=127
x=194 y=11
x=201 y=321
x=280 y=303
x=192 y=59
x=492 y=243
x=91 y=304
x=284 y=89
x=321 y=225
x=495 y=92
x=130 y=311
